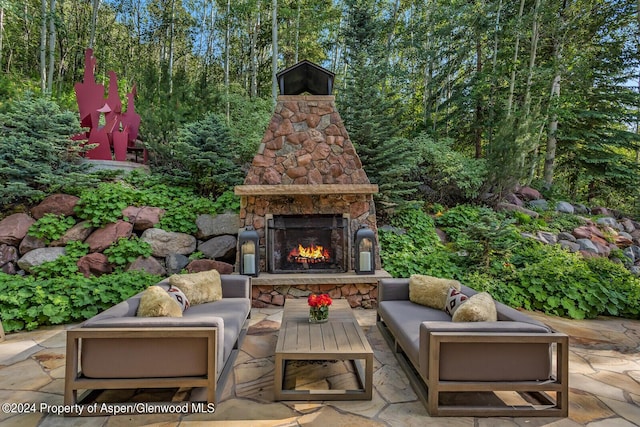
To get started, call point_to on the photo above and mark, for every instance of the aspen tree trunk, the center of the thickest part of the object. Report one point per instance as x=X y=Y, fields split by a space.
x=512 y=82
x=535 y=35
x=295 y=60
x=227 y=36
x=274 y=58
x=43 y=46
x=552 y=141
x=52 y=45
x=1 y=33
x=253 y=93
x=94 y=22
x=171 y=37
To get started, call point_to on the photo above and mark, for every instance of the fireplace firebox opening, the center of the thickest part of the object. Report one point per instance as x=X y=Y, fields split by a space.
x=308 y=243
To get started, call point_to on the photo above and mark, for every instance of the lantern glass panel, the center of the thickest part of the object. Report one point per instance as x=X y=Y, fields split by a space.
x=248 y=251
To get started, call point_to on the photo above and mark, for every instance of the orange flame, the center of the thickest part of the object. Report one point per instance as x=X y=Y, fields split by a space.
x=312 y=253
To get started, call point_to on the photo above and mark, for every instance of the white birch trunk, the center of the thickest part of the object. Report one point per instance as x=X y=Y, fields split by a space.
x=274 y=53
x=52 y=45
x=43 y=47
x=512 y=82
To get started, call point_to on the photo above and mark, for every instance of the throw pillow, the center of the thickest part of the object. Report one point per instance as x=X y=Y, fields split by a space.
x=430 y=291
x=179 y=296
x=199 y=288
x=478 y=308
x=455 y=298
x=156 y=302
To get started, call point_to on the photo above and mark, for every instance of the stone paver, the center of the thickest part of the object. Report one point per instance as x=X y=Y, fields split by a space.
x=604 y=383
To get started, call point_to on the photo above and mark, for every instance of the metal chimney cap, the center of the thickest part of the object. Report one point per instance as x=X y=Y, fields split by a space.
x=303 y=77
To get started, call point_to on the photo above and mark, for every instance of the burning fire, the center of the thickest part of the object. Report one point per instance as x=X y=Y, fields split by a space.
x=312 y=254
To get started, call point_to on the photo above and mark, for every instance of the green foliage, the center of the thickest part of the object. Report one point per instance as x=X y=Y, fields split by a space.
x=487 y=253
x=38 y=157
x=64 y=266
x=204 y=150
x=413 y=246
x=51 y=227
x=29 y=302
x=104 y=204
x=451 y=176
x=127 y=250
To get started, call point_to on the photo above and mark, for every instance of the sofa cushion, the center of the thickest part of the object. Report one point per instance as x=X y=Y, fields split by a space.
x=478 y=308
x=455 y=298
x=430 y=291
x=403 y=318
x=199 y=287
x=179 y=297
x=156 y=302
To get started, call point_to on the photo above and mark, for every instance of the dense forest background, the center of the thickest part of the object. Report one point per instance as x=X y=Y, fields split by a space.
x=445 y=100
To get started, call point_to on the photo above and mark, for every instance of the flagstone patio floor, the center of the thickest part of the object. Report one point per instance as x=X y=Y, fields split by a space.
x=604 y=383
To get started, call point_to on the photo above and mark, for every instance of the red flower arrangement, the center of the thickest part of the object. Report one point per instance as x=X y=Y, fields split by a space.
x=319 y=307
x=319 y=300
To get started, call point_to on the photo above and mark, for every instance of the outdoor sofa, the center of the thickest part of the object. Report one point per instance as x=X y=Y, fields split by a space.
x=118 y=350
x=514 y=366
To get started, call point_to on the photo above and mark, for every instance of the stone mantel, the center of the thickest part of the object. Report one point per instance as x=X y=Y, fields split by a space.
x=289 y=279
x=304 y=189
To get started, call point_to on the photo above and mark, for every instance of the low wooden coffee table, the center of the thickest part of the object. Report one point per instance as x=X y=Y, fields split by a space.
x=341 y=338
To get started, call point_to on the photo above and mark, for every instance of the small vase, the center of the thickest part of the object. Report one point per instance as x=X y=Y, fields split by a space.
x=318 y=314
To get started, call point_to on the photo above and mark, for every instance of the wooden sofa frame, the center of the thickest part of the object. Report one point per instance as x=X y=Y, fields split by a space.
x=210 y=383
x=430 y=389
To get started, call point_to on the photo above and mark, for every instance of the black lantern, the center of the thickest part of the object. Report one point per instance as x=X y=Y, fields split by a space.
x=365 y=250
x=249 y=252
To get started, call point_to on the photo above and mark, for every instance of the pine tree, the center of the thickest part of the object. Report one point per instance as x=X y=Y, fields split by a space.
x=371 y=114
x=38 y=155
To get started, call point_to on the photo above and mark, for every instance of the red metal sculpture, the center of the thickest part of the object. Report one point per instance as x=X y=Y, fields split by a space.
x=120 y=130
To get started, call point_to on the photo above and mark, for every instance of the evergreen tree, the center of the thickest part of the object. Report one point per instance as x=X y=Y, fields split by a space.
x=371 y=114
x=37 y=155
x=204 y=151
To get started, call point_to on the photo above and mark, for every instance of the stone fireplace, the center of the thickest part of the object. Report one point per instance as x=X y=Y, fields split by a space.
x=306 y=189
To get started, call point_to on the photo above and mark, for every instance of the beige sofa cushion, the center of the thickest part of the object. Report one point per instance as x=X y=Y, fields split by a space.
x=156 y=302
x=430 y=291
x=478 y=308
x=199 y=287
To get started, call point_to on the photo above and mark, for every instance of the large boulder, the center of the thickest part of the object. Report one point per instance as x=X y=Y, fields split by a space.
x=39 y=256
x=164 y=243
x=14 y=227
x=528 y=193
x=218 y=247
x=565 y=207
x=78 y=232
x=587 y=245
x=149 y=265
x=568 y=245
x=541 y=204
x=8 y=254
x=199 y=265
x=95 y=264
x=175 y=263
x=608 y=221
x=143 y=217
x=218 y=225
x=106 y=236
x=57 y=204
x=30 y=243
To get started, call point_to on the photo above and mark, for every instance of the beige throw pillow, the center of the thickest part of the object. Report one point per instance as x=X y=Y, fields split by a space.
x=156 y=302
x=430 y=291
x=478 y=308
x=199 y=287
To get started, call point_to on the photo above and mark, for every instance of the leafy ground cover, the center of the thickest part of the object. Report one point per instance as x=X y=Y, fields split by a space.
x=487 y=252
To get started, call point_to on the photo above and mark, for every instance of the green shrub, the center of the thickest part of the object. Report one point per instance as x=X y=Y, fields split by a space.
x=29 y=302
x=38 y=156
x=104 y=204
x=127 y=250
x=64 y=266
x=416 y=249
x=51 y=227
